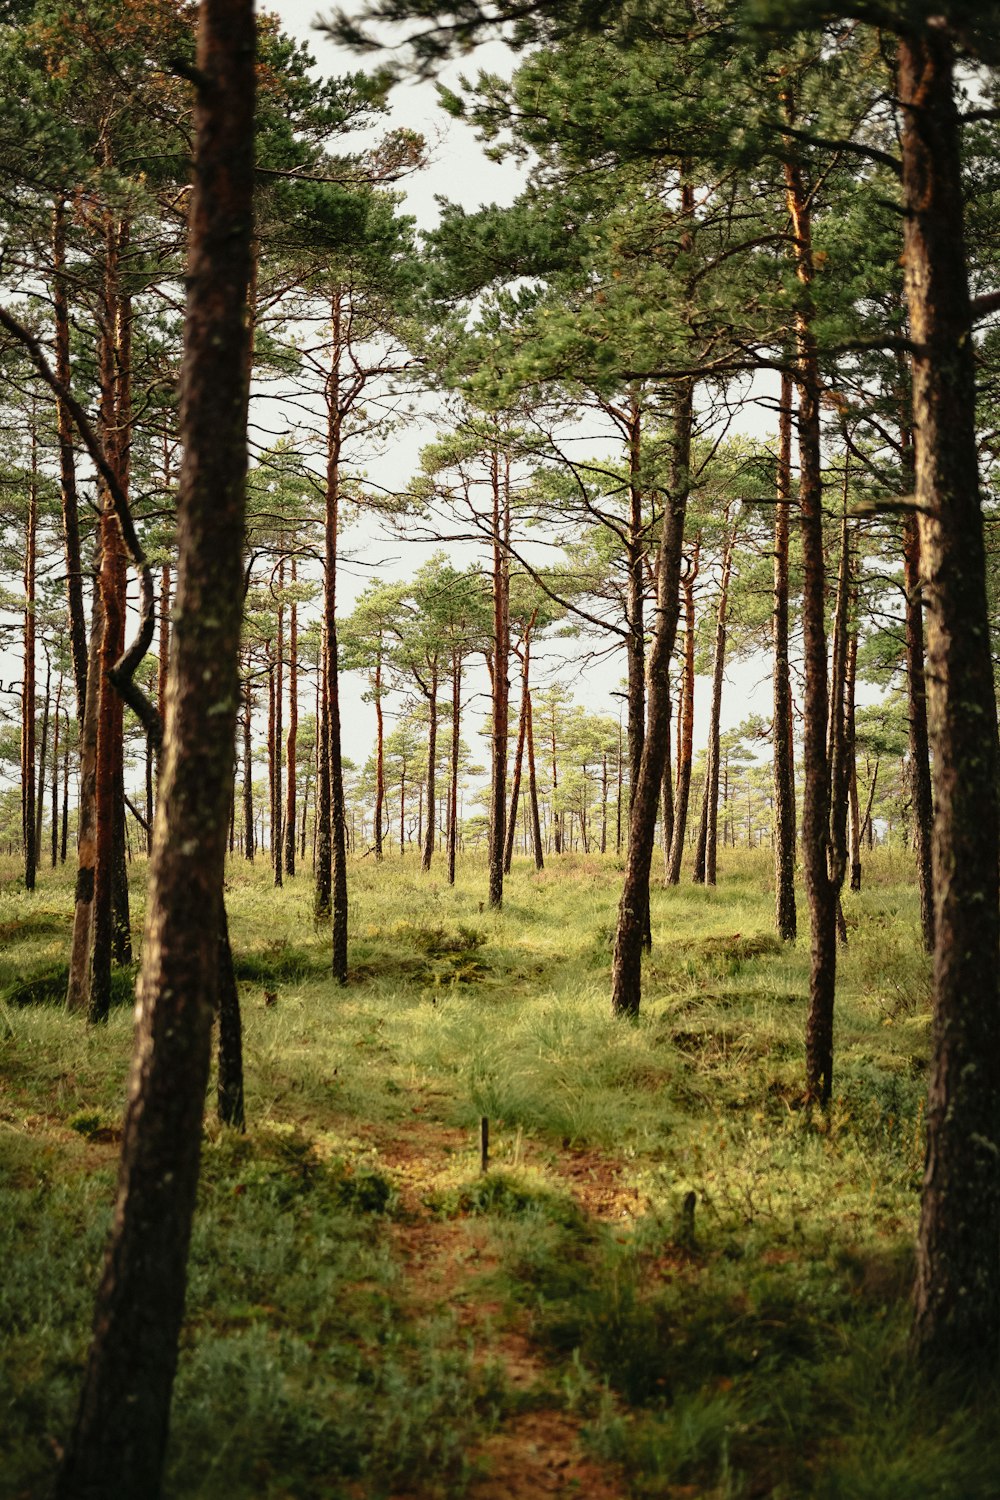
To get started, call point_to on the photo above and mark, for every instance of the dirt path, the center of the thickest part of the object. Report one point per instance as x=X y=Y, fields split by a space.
x=448 y=1264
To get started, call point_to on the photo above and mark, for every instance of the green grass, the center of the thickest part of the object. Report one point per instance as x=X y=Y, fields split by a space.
x=758 y=1348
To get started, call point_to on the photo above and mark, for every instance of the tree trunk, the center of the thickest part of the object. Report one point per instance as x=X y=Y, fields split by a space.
x=816 y=804
x=67 y=466
x=28 y=689
x=456 y=725
x=55 y=773
x=229 y=1090
x=635 y=623
x=626 y=966
x=500 y=480
x=291 y=797
x=781 y=728
x=685 y=729
x=42 y=753
x=536 y=824
x=338 y=819
x=432 y=710
x=117 y=1447
x=705 y=862
x=248 y=829
x=916 y=695
x=957 y=1298
x=277 y=813
x=323 y=858
x=378 y=830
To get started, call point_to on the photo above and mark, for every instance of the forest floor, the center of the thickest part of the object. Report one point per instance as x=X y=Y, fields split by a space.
x=672 y=1280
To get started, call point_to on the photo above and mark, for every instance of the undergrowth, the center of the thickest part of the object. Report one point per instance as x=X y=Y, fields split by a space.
x=714 y=1279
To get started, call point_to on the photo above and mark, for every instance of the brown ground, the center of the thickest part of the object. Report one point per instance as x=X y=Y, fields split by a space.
x=537 y=1451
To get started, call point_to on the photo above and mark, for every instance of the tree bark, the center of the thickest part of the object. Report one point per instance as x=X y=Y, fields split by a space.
x=500 y=480
x=67 y=466
x=432 y=711
x=28 y=688
x=323 y=862
x=633 y=910
x=685 y=729
x=118 y=1444
x=248 y=829
x=338 y=818
x=916 y=697
x=816 y=803
x=705 y=860
x=291 y=796
x=957 y=1296
x=781 y=728
x=277 y=811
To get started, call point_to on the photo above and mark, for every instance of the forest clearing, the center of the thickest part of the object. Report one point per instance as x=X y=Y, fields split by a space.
x=500 y=701
x=370 y=1315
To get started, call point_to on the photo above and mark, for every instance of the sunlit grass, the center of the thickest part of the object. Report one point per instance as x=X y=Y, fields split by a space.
x=751 y=1344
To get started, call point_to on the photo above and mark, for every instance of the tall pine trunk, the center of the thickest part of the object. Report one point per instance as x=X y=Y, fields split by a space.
x=118 y=1444
x=685 y=728
x=957 y=1298
x=633 y=910
x=781 y=728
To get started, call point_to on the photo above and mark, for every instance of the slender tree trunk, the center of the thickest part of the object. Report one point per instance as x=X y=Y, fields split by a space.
x=667 y=793
x=522 y=727
x=230 y=1100
x=957 y=1299
x=500 y=480
x=916 y=694
x=28 y=689
x=781 y=729
x=456 y=743
x=633 y=910
x=248 y=830
x=432 y=710
x=277 y=814
x=64 y=835
x=685 y=729
x=536 y=825
x=42 y=753
x=117 y=1447
x=323 y=859
x=705 y=862
x=854 y=813
x=67 y=466
x=816 y=806
x=338 y=819
x=635 y=623
x=291 y=798
x=55 y=773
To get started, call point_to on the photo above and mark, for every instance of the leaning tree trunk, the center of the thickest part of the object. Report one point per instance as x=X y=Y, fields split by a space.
x=957 y=1299
x=117 y=1447
x=633 y=910
x=781 y=728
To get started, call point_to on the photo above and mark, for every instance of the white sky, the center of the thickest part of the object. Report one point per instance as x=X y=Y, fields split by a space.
x=459 y=171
